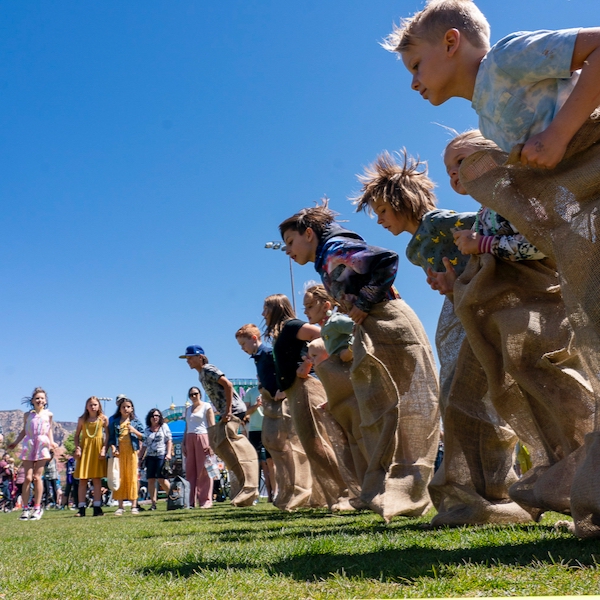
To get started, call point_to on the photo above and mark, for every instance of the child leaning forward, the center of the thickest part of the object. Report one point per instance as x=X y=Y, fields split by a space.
x=393 y=370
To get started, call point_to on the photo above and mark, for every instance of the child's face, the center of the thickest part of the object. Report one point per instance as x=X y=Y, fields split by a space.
x=301 y=248
x=39 y=401
x=314 y=309
x=317 y=355
x=389 y=218
x=248 y=344
x=126 y=408
x=92 y=407
x=453 y=158
x=432 y=75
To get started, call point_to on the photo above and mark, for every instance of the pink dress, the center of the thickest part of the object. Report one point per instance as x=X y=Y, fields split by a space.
x=36 y=443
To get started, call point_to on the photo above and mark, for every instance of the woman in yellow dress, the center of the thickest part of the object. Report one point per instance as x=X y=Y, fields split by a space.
x=124 y=439
x=90 y=452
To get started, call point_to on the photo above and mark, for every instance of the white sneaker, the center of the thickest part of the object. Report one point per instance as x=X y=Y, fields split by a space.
x=37 y=514
x=119 y=512
x=25 y=515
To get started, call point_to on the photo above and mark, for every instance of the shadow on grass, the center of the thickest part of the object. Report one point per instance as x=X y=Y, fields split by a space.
x=401 y=564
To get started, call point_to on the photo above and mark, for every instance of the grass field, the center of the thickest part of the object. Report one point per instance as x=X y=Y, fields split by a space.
x=261 y=553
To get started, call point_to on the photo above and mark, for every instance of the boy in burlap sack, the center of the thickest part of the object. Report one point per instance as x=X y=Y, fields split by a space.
x=393 y=371
x=292 y=471
x=537 y=89
x=512 y=308
x=236 y=451
x=471 y=486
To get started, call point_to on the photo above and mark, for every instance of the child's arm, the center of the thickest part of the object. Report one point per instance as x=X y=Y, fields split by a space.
x=443 y=282
x=53 y=444
x=21 y=435
x=546 y=149
x=76 y=438
x=228 y=389
x=105 y=436
x=308 y=332
x=304 y=368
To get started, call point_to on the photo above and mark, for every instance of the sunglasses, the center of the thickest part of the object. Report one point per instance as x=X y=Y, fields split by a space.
x=194 y=394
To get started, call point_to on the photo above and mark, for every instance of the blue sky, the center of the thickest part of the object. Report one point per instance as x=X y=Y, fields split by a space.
x=148 y=150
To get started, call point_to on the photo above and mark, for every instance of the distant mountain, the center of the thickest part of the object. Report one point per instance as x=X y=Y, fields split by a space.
x=11 y=421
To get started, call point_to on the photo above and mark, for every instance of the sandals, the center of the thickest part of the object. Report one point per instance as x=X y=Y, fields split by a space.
x=119 y=512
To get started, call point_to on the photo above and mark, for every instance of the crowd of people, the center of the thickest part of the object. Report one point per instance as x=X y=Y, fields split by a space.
x=351 y=399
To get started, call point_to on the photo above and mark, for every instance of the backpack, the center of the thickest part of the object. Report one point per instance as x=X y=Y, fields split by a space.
x=179 y=494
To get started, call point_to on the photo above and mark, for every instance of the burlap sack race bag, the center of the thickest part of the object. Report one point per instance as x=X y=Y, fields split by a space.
x=342 y=406
x=292 y=471
x=471 y=485
x=395 y=383
x=305 y=396
x=558 y=211
x=239 y=457
x=517 y=326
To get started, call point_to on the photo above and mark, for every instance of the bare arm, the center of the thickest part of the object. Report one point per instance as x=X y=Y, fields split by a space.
x=53 y=444
x=210 y=417
x=228 y=388
x=547 y=148
x=76 y=438
x=21 y=435
x=308 y=332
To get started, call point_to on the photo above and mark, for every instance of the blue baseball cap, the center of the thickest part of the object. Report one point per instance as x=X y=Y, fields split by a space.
x=192 y=351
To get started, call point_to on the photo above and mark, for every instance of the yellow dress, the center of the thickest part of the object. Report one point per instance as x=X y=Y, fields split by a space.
x=128 y=466
x=89 y=464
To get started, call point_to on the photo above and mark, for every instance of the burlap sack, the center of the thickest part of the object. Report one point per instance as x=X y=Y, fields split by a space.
x=305 y=396
x=292 y=471
x=557 y=210
x=471 y=485
x=517 y=327
x=239 y=457
x=395 y=383
x=348 y=444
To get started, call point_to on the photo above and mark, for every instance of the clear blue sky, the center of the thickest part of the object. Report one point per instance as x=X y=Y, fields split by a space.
x=148 y=150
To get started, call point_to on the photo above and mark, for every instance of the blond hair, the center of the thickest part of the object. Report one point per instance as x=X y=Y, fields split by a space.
x=472 y=138
x=247 y=331
x=319 y=293
x=438 y=16
x=317 y=346
x=278 y=311
x=403 y=184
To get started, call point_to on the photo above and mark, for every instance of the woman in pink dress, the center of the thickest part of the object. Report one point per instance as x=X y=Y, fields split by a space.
x=35 y=452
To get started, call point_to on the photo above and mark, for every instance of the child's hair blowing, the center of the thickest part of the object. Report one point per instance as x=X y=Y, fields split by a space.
x=317 y=218
x=29 y=399
x=278 y=310
x=403 y=184
x=248 y=331
x=472 y=138
x=438 y=16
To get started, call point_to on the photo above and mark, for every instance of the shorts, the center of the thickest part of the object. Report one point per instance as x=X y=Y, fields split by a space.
x=154 y=466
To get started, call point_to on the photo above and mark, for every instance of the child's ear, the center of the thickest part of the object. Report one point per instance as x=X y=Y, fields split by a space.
x=452 y=40
x=310 y=233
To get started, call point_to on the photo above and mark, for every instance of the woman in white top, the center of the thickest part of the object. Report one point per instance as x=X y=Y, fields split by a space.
x=157 y=450
x=198 y=418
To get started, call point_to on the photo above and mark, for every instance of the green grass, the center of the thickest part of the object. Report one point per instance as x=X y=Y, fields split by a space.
x=261 y=553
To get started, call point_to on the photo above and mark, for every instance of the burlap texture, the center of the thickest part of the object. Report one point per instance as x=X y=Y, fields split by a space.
x=292 y=471
x=517 y=327
x=348 y=445
x=557 y=210
x=395 y=383
x=305 y=396
x=239 y=457
x=471 y=485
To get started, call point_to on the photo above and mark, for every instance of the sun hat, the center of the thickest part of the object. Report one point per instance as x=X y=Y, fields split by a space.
x=192 y=351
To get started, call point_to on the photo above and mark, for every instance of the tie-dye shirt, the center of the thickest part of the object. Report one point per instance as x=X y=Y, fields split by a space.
x=522 y=83
x=353 y=272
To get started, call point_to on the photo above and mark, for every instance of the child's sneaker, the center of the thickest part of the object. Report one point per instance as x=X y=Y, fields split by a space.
x=37 y=514
x=24 y=515
x=119 y=512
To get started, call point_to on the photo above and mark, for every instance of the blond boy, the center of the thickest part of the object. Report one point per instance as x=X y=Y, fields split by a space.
x=526 y=89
